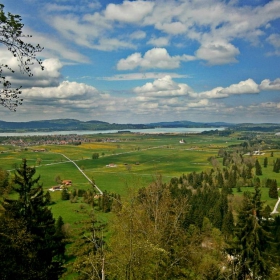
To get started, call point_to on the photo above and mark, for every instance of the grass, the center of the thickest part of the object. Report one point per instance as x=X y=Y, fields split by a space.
x=138 y=159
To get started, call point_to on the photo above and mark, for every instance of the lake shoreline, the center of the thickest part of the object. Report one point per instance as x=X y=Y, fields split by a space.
x=177 y=130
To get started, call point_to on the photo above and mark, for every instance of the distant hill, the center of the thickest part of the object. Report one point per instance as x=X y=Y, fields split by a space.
x=65 y=124
x=190 y=124
x=72 y=124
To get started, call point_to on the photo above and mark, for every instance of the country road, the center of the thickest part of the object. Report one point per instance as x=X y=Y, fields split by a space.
x=82 y=173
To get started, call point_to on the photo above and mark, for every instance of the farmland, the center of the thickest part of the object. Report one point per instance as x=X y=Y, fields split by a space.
x=123 y=163
x=137 y=160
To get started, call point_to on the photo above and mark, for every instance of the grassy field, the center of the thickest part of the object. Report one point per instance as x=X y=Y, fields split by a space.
x=138 y=159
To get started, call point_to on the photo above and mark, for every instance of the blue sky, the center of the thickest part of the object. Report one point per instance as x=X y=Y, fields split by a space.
x=147 y=61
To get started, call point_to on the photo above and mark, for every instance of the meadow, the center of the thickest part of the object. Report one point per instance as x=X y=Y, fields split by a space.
x=138 y=159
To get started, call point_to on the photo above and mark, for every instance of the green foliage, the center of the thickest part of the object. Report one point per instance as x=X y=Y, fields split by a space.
x=265 y=162
x=30 y=216
x=276 y=167
x=258 y=168
x=273 y=192
x=4 y=182
x=11 y=36
x=95 y=155
x=89 y=251
x=253 y=241
x=65 y=194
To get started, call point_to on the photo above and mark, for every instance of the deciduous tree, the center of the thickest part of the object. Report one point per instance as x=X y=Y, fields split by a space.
x=12 y=37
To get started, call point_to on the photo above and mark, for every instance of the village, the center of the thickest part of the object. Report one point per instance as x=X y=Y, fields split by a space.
x=71 y=139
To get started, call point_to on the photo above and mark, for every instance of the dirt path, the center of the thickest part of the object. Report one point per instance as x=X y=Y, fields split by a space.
x=93 y=184
x=275 y=207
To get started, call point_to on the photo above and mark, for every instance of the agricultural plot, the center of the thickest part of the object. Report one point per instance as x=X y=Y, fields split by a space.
x=125 y=161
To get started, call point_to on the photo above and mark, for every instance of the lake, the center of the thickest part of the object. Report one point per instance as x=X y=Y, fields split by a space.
x=88 y=132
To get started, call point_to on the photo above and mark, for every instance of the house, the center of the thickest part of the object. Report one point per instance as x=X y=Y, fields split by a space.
x=56 y=188
x=111 y=165
x=67 y=182
x=39 y=150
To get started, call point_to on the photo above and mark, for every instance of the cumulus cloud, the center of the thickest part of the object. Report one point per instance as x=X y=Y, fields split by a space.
x=163 y=87
x=128 y=11
x=154 y=58
x=166 y=87
x=270 y=85
x=217 y=53
x=50 y=76
x=243 y=87
x=65 y=90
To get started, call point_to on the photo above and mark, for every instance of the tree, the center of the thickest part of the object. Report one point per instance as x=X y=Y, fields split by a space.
x=89 y=250
x=4 y=181
x=265 y=162
x=95 y=155
x=29 y=216
x=276 y=167
x=273 y=192
x=65 y=195
x=258 y=168
x=253 y=241
x=11 y=36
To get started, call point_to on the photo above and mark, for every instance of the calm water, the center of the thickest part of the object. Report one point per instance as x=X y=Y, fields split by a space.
x=87 y=132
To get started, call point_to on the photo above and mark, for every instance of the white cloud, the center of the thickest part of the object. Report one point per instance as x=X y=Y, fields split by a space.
x=270 y=85
x=166 y=87
x=138 y=35
x=213 y=24
x=83 y=5
x=274 y=40
x=142 y=76
x=73 y=30
x=243 y=87
x=201 y=103
x=66 y=90
x=55 y=48
x=128 y=11
x=173 y=28
x=159 y=42
x=154 y=58
x=50 y=76
x=163 y=87
x=107 y=44
x=217 y=53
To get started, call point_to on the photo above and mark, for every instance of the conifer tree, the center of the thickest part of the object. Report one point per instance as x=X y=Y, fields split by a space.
x=29 y=214
x=273 y=192
x=253 y=240
x=265 y=162
x=258 y=168
x=276 y=167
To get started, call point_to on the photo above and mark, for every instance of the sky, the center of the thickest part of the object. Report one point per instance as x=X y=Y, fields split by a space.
x=149 y=61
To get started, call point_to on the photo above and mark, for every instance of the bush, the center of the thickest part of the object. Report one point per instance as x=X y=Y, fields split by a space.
x=95 y=155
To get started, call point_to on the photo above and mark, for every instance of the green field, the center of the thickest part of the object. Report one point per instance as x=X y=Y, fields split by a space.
x=138 y=159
